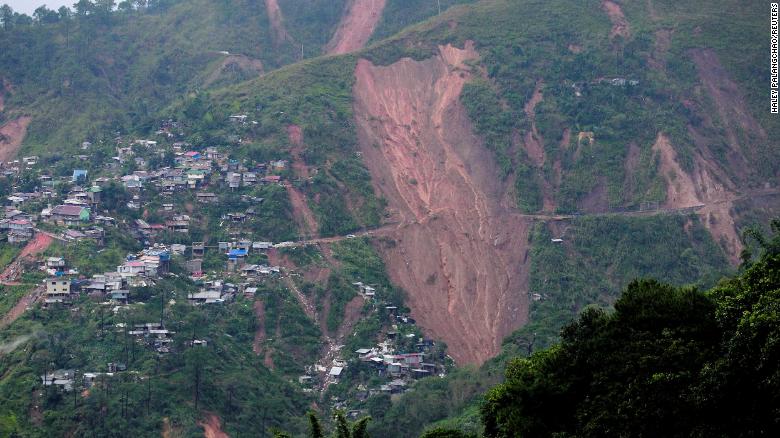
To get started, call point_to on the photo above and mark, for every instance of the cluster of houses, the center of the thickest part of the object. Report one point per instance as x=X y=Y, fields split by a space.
x=194 y=170
x=402 y=357
x=136 y=271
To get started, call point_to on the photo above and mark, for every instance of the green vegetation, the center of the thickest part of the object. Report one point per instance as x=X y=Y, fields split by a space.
x=311 y=24
x=665 y=353
x=598 y=258
x=223 y=376
x=399 y=14
x=525 y=43
x=667 y=362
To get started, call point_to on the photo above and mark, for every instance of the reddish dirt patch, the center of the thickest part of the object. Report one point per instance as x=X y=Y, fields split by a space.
x=442 y=181
x=596 y=201
x=37 y=245
x=304 y=217
x=719 y=220
x=630 y=167
x=533 y=141
x=167 y=431
x=212 y=427
x=20 y=307
x=11 y=137
x=275 y=17
x=680 y=187
x=295 y=135
x=261 y=336
x=356 y=26
x=575 y=48
x=352 y=313
x=257 y=344
x=661 y=45
x=702 y=187
x=620 y=25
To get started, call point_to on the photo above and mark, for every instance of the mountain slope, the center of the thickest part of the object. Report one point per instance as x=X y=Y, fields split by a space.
x=458 y=249
x=563 y=136
x=515 y=160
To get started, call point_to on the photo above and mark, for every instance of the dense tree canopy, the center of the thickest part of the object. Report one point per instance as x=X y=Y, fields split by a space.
x=667 y=362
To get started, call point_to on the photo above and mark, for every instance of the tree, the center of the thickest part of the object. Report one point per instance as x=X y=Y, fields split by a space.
x=440 y=432
x=6 y=16
x=64 y=13
x=84 y=8
x=125 y=6
x=667 y=362
x=344 y=429
x=44 y=15
x=629 y=372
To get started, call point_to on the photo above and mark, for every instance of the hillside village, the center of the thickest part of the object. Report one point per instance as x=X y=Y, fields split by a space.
x=153 y=195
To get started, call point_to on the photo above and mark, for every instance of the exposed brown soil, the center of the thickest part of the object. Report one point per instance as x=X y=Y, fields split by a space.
x=295 y=135
x=620 y=26
x=212 y=427
x=454 y=229
x=661 y=45
x=235 y=63
x=260 y=336
x=11 y=136
x=596 y=201
x=680 y=188
x=352 y=313
x=356 y=26
x=730 y=105
x=703 y=186
x=630 y=167
x=304 y=217
x=719 y=220
x=166 y=431
x=37 y=245
x=20 y=307
x=277 y=24
x=533 y=141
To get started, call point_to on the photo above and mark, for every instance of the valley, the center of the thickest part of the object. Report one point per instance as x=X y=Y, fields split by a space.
x=218 y=216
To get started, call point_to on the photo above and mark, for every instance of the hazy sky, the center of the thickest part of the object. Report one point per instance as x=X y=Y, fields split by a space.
x=28 y=6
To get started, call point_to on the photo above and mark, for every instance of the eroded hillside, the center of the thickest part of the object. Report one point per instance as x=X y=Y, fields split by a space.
x=356 y=26
x=459 y=253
